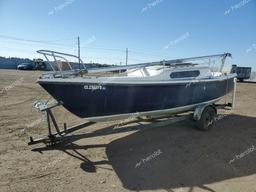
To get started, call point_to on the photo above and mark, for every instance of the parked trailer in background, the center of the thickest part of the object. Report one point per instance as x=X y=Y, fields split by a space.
x=242 y=72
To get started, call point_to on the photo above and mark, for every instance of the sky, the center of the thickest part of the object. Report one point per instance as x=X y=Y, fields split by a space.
x=152 y=30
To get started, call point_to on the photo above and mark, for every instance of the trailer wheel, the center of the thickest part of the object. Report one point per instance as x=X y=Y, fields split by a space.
x=207 y=119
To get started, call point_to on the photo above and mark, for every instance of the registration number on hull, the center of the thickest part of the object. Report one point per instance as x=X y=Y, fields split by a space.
x=94 y=87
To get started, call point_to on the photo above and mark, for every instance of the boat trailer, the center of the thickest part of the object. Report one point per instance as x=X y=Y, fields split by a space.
x=204 y=115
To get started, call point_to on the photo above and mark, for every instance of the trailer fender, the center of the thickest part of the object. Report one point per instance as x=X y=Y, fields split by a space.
x=199 y=110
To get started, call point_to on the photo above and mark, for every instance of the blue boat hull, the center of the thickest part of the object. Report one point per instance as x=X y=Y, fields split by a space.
x=93 y=100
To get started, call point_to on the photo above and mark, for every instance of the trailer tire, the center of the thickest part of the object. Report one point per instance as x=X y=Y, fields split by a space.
x=207 y=120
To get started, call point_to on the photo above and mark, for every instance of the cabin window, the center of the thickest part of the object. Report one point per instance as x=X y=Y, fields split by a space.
x=185 y=74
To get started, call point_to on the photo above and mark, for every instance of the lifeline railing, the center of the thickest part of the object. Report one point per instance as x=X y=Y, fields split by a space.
x=173 y=62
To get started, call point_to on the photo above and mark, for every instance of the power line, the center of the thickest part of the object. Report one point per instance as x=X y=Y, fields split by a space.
x=51 y=42
x=56 y=44
x=149 y=54
x=112 y=59
x=102 y=48
x=19 y=50
x=34 y=41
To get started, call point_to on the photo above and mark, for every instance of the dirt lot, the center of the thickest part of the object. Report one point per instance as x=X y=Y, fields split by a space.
x=140 y=157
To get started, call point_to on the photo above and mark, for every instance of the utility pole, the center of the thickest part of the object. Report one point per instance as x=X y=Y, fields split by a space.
x=126 y=61
x=78 y=48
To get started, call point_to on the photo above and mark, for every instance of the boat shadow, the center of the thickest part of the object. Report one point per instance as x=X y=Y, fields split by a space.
x=176 y=155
